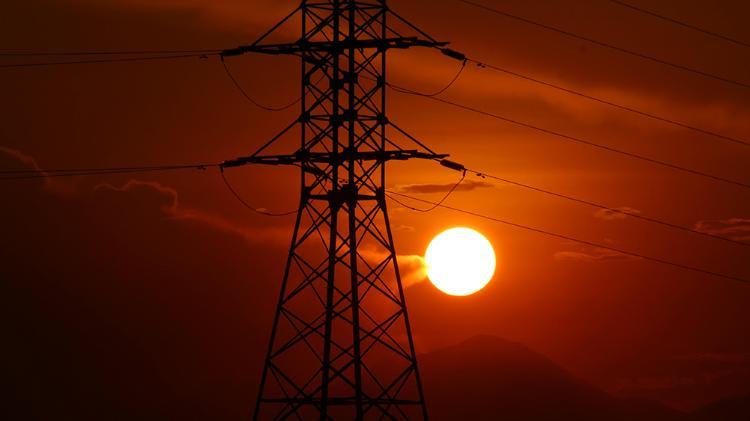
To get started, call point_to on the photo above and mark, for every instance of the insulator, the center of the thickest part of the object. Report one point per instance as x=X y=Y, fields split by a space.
x=453 y=54
x=452 y=165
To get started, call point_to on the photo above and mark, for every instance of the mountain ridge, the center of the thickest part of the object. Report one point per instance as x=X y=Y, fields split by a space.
x=486 y=377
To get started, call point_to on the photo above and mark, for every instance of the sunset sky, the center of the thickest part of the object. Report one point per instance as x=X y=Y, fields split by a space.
x=141 y=292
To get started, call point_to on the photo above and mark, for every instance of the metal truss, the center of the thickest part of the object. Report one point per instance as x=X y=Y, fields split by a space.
x=341 y=345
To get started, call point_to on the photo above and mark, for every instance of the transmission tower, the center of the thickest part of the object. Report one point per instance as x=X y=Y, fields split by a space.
x=341 y=345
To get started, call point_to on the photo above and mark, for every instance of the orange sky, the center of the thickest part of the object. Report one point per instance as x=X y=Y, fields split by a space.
x=626 y=325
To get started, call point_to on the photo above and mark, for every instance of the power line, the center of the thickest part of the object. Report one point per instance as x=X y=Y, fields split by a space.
x=681 y=23
x=30 y=174
x=610 y=103
x=247 y=205
x=106 y=169
x=22 y=174
x=99 y=61
x=587 y=202
x=169 y=55
x=577 y=139
x=102 y=53
x=439 y=202
x=569 y=238
x=249 y=98
x=607 y=45
x=448 y=85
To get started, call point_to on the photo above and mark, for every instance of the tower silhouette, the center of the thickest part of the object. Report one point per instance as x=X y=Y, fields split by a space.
x=341 y=345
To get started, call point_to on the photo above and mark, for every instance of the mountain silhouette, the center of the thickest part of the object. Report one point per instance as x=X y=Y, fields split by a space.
x=731 y=409
x=489 y=378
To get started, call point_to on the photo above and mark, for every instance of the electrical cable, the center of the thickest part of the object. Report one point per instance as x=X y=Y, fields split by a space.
x=606 y=45
x=103 y=53
x=610 y=103
x=29 y=174
x=247 y=205
x=390 y=194
x=446 y=87
x=578 y=140
x=681 y=23
x=440 y=202
x=483 y=174
x=99 y=61
x=249 y=98
x=170 y=55
x=107 y=169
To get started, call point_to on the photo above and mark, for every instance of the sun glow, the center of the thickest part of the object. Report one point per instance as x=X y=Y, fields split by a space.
x=460 y=261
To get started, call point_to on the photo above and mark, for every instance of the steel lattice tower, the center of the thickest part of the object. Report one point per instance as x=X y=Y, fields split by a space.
x=341 y=344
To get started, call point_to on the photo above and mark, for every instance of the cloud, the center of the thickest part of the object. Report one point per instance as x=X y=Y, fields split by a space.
x=413 y=269
x=120 y=279
x=26 y=161
x=688 y=370
x=466 y=185
x=686 y=380
x=14 y=159
x=591 y=254
x=411 y=266
x=737 y=229
x=611 y=215
x=167 y=196
x=169 y=207
x=404 y=228
x=716 y=357
x=262 y=13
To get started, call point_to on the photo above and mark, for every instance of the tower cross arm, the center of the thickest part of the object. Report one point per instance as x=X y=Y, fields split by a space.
x=301 y=46
x=303 y=157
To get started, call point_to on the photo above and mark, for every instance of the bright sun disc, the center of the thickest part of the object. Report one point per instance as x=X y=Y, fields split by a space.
x=460 y=261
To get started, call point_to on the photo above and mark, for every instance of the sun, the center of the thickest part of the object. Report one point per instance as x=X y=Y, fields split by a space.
x=460 y=261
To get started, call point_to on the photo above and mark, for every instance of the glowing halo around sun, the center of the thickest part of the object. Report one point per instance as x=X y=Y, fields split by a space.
x=460 y=261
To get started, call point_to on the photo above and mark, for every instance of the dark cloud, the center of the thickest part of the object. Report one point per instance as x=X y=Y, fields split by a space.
x=716 y=358
x=467 y=185
x=611 y=215
x=404 y=228
x=21 y=161
x=591 y=254
x=24 y=161
x=121 y=303
x=737 y=229
x=171 y=208
x=689 y=380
